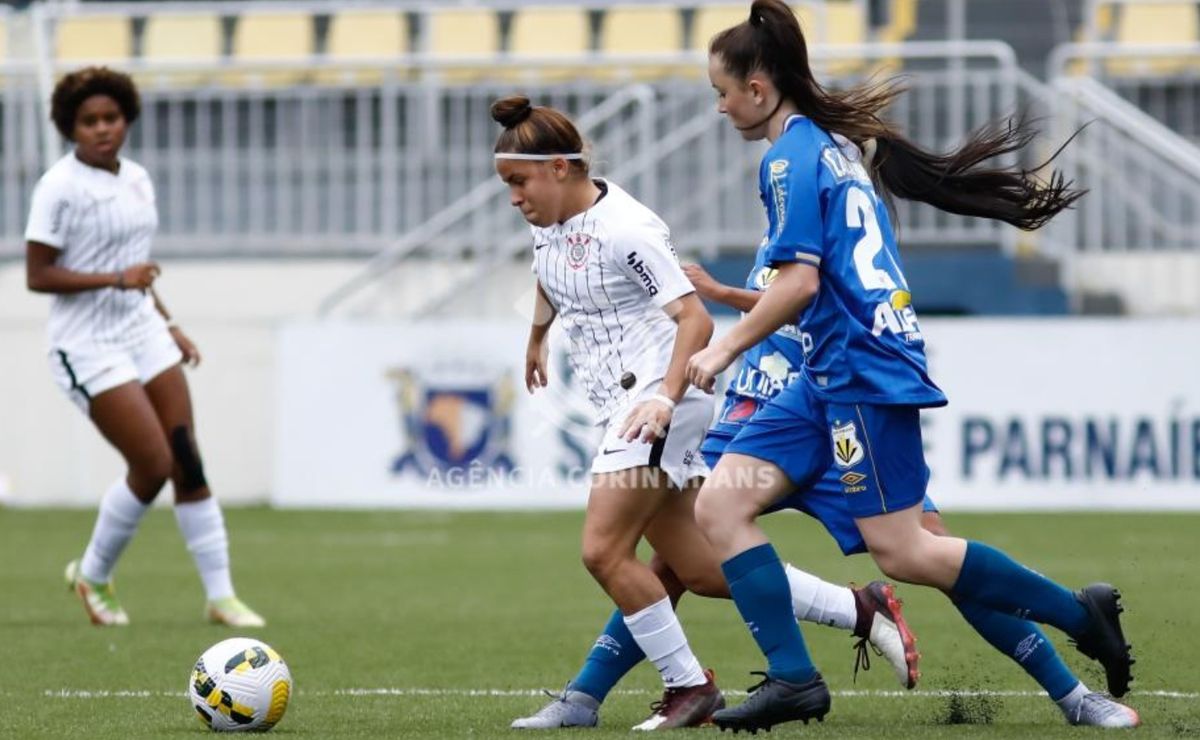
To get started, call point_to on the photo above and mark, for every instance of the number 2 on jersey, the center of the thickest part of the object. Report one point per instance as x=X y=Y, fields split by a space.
x=860 y=214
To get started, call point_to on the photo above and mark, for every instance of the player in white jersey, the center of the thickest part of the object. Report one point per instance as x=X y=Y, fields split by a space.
x=606 y=268
x=113 y=348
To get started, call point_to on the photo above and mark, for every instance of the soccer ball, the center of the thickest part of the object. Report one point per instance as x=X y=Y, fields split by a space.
x=240 y=684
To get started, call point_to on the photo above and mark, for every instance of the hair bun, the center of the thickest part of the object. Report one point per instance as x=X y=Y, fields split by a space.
x=511 y=111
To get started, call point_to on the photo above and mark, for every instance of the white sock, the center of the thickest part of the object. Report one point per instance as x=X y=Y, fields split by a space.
x=660 y=636
x=1069 y=702
x=119 y=516
x=203 y=530
x=814 y=600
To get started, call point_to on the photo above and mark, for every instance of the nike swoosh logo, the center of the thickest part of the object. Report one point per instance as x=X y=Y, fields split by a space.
x=536 y=247
x=613 y=452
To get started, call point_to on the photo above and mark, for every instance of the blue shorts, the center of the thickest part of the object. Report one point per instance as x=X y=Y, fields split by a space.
x=846 y=463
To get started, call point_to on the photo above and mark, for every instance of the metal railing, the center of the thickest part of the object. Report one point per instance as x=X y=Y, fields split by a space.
x=1143 y=179
x=335 y=169
x=1161 y=79
x=704 y=173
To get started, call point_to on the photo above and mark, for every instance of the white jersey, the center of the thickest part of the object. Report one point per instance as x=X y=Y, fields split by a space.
x=102 y=223
x=608 y=272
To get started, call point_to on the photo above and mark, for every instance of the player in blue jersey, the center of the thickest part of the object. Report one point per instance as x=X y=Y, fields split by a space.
x=856 y=407
x=871 y=613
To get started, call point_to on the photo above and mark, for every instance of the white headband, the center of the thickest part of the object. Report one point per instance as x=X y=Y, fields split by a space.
x=538 y=157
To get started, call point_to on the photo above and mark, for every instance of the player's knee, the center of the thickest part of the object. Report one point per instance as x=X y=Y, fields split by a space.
x=677 y=582
x=932 y=522
x=150 y=470
x=896 y=562
x=600 y=560
x=711 y=585
x=710 y=511
x=191 y=470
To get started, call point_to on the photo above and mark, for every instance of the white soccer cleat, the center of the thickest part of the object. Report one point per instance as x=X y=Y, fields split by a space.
x=568 y=709
x=1097 y=710
x=99 y=599
x=232 y=612
x=881 y=623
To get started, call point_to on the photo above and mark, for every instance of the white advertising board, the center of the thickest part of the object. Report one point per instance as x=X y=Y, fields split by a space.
x=1043 y=414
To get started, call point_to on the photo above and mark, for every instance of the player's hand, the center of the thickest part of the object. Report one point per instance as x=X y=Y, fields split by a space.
x=537 y=356
x=191 y=355
x=704 y=366
x=646 y=422
x=706 y=286
x=138 y=277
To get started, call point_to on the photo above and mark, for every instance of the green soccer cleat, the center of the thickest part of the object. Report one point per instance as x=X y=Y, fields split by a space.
x=99 y=599
x=232 y=612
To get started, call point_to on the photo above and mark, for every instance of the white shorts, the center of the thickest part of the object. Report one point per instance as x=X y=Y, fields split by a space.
x=677 y=454
x=83 y=375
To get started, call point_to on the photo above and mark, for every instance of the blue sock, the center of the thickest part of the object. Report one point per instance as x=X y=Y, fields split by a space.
x=614 y=654
x=998 y=582
x=1025 y=643
x=760 y=589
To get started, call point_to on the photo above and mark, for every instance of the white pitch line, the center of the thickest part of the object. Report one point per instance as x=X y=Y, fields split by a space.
x=850 y=693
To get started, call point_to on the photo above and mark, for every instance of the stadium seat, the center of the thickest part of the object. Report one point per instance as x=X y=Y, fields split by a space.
x=562 y=30
x=840 y=22
x=1156 y=23
x=263 y=35
x=642 y=29
x=181 y=37
x=88 y=38
x=364 y=33
x=902 y=23
x=462 y=32
x=711 y=20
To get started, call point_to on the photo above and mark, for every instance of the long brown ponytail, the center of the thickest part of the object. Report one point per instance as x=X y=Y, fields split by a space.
x=961 y=182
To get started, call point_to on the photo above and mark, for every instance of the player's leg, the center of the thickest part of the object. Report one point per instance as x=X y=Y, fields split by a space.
x=740 y=488
x=1025 y=643
x=620 y=507
x=881 y=447
x=120 y=409
x=196 y=510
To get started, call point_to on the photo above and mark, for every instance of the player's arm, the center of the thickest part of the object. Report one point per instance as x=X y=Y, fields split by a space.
x=795 y=247
x=788 y=295
x=694 y=329
x=727 y=295
x=43 y=275
x=537 y=353
x=191 y=355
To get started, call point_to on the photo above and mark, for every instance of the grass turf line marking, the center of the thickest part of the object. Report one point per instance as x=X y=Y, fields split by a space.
x=849 y=693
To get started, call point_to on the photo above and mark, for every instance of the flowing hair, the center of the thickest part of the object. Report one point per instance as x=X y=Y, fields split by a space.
x=965 y=181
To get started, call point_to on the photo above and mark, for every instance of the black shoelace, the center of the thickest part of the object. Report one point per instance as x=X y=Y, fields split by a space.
x=863 y=658
x=662 y=705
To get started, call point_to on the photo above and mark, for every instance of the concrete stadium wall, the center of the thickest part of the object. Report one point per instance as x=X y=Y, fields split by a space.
x=233 y=309
x=50 y=454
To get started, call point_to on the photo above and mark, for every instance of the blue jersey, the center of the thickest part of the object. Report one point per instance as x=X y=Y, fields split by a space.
x=860 y=335
x=767 y=367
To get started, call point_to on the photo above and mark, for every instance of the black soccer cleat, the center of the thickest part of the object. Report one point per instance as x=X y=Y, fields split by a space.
x=1103 y=639
x=773 y=701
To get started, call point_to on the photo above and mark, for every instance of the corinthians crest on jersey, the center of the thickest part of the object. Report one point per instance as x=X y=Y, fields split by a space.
x=847 y=452
x=578 y=245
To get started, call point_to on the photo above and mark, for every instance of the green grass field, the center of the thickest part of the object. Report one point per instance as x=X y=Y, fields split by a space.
x=437 y=625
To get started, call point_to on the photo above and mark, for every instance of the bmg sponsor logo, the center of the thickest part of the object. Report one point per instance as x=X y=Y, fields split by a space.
x=644 y=273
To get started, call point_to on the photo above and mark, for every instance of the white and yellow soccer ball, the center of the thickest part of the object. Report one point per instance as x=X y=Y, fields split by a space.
x=240 y=684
